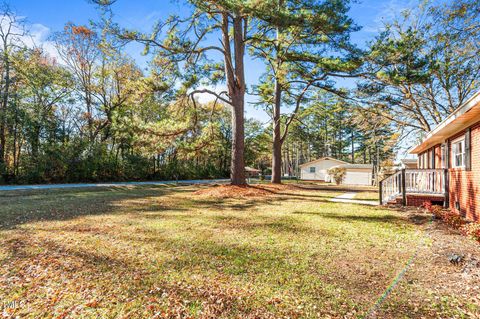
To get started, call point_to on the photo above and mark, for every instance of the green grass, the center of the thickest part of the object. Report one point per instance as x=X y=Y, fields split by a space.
x=367 y=195
x=137 y=252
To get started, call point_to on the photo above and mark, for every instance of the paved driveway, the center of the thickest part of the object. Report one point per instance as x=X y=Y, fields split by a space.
x=58 y=186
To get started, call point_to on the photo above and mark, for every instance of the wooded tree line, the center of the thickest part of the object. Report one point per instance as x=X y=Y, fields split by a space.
x=90 y=113
x=331 y=127
x=95 y=116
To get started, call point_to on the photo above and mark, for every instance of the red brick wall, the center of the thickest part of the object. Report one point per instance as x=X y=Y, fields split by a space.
x=418 y=200
x=465 y=185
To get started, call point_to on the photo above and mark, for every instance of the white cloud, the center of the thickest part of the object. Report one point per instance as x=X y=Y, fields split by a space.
x=39 y=32
x=39 y=37
x=31 y=35
x=388 y=11
x=207 y=97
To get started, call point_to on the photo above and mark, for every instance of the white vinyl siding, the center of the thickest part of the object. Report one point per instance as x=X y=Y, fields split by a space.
x=318 y=170
x=358 y=177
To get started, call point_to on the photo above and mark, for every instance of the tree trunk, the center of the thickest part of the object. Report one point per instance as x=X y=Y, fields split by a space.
x=353 y=146
x=288 y=161
x=277 y=139
x=238 y=142
x=35 y=142
x=3 y=111
x=235 y=75
x=2 y=137
x=297 y=160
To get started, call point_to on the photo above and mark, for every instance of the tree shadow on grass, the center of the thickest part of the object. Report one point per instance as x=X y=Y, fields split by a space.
x=305 y=197
x=283 y=225
x=243 y=204
x=390 y=219
x=113 y=278
x=26 y=207
x=322 y=194
x=214 y=258
x=45 y=251
x=231 y=204
x=222 y=256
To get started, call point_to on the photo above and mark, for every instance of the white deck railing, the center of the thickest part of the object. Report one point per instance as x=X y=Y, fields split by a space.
x=413 y=181
x=391 y=187
x=427 y=181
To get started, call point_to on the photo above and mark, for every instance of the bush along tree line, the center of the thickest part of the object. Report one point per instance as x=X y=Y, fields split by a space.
x=90 y=113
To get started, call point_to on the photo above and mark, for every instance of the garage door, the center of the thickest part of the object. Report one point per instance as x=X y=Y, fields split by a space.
x=358 y=178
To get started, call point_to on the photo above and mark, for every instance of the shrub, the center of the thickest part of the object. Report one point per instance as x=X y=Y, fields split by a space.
x=436 y=210
x=427 y=205
x=453 y=219
x=450 y=218
x=439 y=212
x=472 y=230
x=338 y=174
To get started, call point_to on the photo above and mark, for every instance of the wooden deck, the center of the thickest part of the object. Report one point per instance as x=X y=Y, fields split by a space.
x=411 y=183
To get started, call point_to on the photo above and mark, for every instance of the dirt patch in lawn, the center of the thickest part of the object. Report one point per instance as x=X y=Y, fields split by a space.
x=447 y=264
x=233 y=191
x=456 y=262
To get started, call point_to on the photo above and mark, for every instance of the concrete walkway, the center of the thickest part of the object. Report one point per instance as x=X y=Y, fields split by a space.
x=349 y=198
x=60 y=186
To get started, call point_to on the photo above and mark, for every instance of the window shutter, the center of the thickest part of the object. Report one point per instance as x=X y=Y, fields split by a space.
x=468 y=160
x=447 y=155
x=432 y=160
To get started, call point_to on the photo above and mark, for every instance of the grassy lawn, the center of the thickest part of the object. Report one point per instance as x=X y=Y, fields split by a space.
x=368 y=195
x=165 y=252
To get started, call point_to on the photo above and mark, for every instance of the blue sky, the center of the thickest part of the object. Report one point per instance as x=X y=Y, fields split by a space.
x=47 y=16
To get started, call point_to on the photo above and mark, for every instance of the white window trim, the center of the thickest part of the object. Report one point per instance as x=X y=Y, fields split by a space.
x=310 y=169
x=454 y=154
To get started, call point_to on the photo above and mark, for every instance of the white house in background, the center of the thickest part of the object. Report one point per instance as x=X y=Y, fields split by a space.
x=356 y=174
x=318 y=170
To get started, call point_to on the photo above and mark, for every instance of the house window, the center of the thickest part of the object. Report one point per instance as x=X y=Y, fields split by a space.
x=312 y=169
x=458 y=152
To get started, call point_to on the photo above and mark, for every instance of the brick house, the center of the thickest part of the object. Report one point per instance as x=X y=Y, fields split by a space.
x=454 y=147
x=448 y=166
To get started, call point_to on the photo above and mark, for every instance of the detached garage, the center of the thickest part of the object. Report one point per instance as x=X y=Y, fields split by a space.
x=356 y=174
